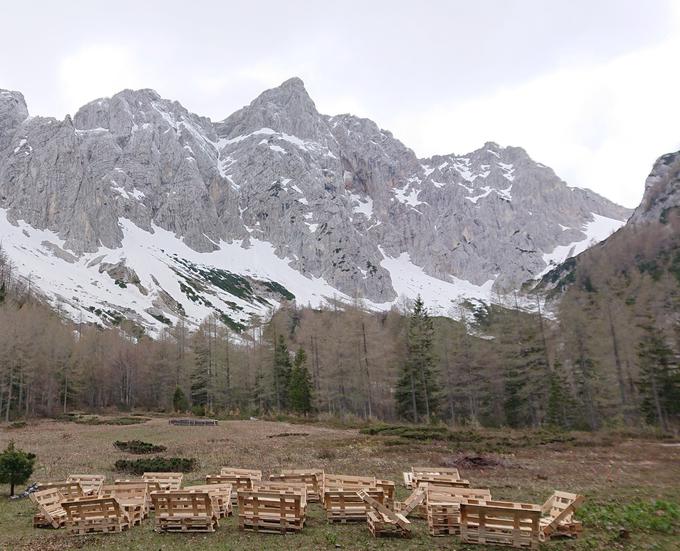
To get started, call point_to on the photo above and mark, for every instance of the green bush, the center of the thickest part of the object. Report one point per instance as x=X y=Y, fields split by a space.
x=138 y=447
x=16 y=466
x=156 y=464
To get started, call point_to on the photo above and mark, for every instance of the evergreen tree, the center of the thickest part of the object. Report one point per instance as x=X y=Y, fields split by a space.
x=16 y=466
x=416 y=393
x=659 y=378
x=179 y=400
x=282 y=369
x=561 y=404
x=300 y=385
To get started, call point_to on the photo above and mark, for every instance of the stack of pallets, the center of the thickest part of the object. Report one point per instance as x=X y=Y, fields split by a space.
x=95 y=514
x=184 y=511
x=275 y=507
x=312 y=478
x=340 y=498
x=443 y=507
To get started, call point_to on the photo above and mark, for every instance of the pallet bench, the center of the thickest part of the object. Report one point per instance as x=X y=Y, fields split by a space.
x=311 y=478
x=66 y=489
x=166 y=481
x=413 y=503
x=443 y=507
x=90 y=483
x=382 y=521
x=184 y=511
x=500 y=523
x=219 y=493
x=95 y=514
x=133 y=497
x=271 y=511
x=558 y=516
x=50 y=513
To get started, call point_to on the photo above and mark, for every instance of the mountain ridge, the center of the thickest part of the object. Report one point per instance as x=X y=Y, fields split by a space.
x=336 y=198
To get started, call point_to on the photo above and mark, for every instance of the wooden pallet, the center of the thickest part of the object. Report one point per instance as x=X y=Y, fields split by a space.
x=443 y=507
x=383 y=521
x=133 y=498
x=441 y=480
x=184 y=511
x=50 y=513
x=95 y=514
x=193 y=422
x=312 y=478
x=332 y=481
x=500 y=523
x=270 y=511
x=388 y=487
x=66 y=489
x=166 y=481
x=345 y=505
x=237 y=482
x=558 y=516
x=255 y=474
x=219 y=493
x=408 y=480
x=413 y=503
x=451 y=472
x=293 y=488
x=90 y=483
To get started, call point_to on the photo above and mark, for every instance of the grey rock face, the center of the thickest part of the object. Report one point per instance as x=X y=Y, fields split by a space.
x=333 y=195
x=662 y=190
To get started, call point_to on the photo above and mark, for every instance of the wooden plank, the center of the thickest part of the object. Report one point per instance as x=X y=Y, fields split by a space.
x=167 y=481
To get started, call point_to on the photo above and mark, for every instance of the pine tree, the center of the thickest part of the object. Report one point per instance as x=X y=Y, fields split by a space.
x=179 y=400
x=417 y=393
x=300 y=385
x=16 y=466
x=282 y=369
x=659 y=378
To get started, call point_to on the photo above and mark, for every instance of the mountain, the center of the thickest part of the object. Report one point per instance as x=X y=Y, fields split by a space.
x=640 y=263
x=137 y=208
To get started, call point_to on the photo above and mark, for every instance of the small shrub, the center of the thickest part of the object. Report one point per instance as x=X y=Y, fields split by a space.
x=17 y=425
x=16 y=466
x=326 y=453
x=138 y=447
x=156 y=464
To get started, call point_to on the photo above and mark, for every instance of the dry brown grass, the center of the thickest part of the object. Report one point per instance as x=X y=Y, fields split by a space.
x=604 y=468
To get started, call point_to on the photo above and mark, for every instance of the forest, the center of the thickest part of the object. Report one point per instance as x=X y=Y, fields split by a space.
x=596 y=344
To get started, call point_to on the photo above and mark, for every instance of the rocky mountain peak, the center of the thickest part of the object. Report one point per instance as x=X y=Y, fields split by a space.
x=662 y=190
x=13 y=111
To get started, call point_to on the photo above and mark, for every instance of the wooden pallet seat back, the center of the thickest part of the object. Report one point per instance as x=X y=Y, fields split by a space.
x=132 y=496
x=90 y=483
x=50 y=512
x=347 y=482
x=221 y=495
x=271 y=511
x=345 y=505
x=450 y=472
x=312 y=478
x=500 y=523
x=271 y=486
x=166 y=481
x=254 y=474
x=441 y=480
x=413 y=504
x=389 y=488
x=558 y=515
x=184 y=511
x=435 y=494
x=66 y=489
x=95 y=514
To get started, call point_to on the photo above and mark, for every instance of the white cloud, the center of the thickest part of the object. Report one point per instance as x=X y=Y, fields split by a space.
x=599 y=126
x=97 y=71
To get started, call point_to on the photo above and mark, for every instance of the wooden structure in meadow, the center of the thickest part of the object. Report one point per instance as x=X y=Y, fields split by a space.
x=89 y=514
x=500 y=523
x=184 y=511
x=383 y=521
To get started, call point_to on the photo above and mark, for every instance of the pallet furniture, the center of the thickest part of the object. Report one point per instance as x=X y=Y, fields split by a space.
x=133 y=497
x=219 y=493
x=408 y=480
x=388 y=487
x=166 y=481
x=271 y=511
x=346 y=506
x=500 y=523
x=66 y=489
x=184 y=511
x=240 y=479
x=558 y=516
x=441 y=480
x=90 y=483
x=193 y=422
x=312 y=478
x=443 y=507
x=413 y=503
x=438 y=471
x=382 y=521
x=50 y=513
x=255 y=474
x=95 y=514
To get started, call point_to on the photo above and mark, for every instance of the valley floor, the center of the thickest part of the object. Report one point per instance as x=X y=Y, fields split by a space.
x=622 y=478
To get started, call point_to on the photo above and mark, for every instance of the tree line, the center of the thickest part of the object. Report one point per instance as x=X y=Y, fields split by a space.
x=595 y=360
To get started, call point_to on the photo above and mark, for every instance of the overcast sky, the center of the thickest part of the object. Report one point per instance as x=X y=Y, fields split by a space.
x=591 y=88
